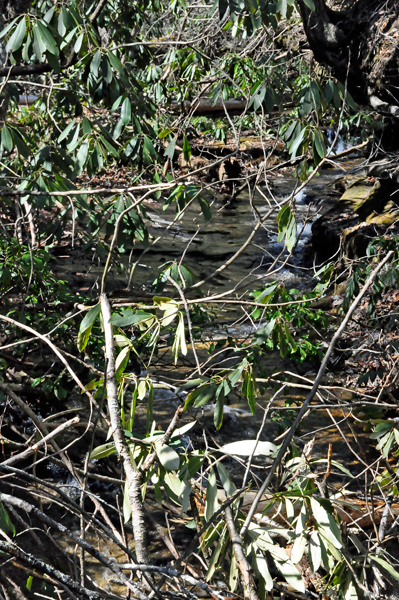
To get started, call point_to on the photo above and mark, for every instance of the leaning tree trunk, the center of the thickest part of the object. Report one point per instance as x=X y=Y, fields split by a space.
x=361 y=45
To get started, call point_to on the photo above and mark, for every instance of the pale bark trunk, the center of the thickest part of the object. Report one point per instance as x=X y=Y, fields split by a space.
x=133 y=476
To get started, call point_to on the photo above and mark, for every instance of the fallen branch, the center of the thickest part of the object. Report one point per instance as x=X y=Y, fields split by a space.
x=32 y=449
x=109 y=563
x=309 y=398
x=250 y=592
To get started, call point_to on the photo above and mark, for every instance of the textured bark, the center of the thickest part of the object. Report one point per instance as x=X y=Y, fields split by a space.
x=133 y=476
x=250 y=591
x=361 y=45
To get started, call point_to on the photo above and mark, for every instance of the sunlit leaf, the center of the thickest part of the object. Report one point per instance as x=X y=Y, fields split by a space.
x=212 y=504
x=17 y=37
x=246 y=447
x=168 y=457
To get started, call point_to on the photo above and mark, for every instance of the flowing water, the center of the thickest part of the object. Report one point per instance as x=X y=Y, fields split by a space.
x=206 y=247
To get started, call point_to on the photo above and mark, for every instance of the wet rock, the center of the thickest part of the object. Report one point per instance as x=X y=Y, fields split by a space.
x=365 y=210
x=229 y=169
x=327 y=230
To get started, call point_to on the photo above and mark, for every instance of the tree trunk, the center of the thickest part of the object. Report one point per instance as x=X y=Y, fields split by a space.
x=361 y=45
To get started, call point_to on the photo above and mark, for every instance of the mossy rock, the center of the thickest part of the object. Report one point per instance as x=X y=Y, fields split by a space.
x=360 y=195
x=389 y=215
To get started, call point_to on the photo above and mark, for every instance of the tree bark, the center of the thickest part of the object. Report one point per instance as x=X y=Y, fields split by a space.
x=361 y=45
x=133 y=476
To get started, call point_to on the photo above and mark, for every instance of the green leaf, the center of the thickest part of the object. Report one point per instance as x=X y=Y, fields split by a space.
x=215 y=557
x=315 y=551
x=111 y=149
x=218 y=414
x=227 y=484
x=298 y=549
x=39 y=47
x=310 y=4
x=206 y=211
x=263 y=570
x=116 y=63
x=103 y=451
x=17 y=37
x=149 y=152
x=78 y=43
x=47 y=39
x=180 y=339
x=4 y=31
x=95 y=63
x=29 y=583
x=164 y=133
x=186 y=149
x=61 y=22
x=128 y=317
x=212 y=504
x=121 y=362
x=388 y=567
x=20 y=144
x=81 y=157
x=183 y=430
x=86 y=326
x=90 y=317
x=126 y=111
x=170 y=314
x=49 y=14
x=294 y=145
x=66 y=131
x=6 y=139
x=291 y=575
x=170 y=150
x=168 y=457
x=202 y=395
x=264 y=333
x=150 y=407
x=5 y=521
x=328 y=527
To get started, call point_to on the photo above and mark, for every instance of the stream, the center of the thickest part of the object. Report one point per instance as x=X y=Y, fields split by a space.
x=209 y=246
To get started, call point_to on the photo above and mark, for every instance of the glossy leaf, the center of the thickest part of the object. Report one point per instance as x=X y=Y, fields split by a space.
x=315 y=551
x=212 y=504
x=168 y=457
x=15 y=41
x=86 y=326
x=246 y=447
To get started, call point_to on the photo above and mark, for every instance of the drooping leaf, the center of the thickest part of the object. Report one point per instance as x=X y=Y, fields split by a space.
x=310 y=4
x=168 y=457
x=17 y=37
x=315 y=551
x=298 y=549
x=128 y=317
x=5 y=521
x=47 y=38
x=86 y=326
x=103 y=451
x=121 y=362
x=328 y=527
x=127 y=507
x=263 y=571
x=6 y=139
x=386 y=565
x=170 y=150
x=212 y=504
x=227 y=484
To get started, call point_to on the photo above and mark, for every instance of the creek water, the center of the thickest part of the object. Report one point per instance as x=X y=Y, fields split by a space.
x=206 y=246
